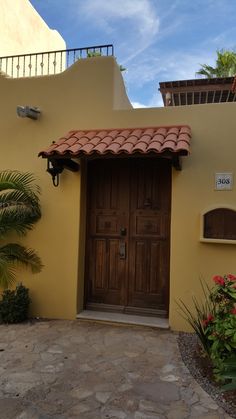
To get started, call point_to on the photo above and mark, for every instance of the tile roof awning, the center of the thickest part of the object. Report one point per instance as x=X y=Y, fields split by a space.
x=174 y=140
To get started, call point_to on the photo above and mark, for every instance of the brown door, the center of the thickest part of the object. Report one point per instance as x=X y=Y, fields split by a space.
x=127 y=256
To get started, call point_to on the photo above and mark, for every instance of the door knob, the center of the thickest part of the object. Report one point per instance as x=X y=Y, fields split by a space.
x=123 y=231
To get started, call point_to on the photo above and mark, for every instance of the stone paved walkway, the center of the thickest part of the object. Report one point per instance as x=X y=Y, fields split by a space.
x=76 y=369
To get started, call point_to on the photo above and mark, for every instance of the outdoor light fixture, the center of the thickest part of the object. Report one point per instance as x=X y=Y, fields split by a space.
x=56 y=166
x=28 y=112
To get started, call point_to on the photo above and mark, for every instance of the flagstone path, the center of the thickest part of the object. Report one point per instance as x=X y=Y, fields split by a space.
x=79 y=369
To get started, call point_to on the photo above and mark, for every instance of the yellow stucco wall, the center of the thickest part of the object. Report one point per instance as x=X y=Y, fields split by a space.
x=22 y=31
x=85 y=97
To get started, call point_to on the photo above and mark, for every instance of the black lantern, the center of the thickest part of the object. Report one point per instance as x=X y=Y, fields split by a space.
x=56 y=166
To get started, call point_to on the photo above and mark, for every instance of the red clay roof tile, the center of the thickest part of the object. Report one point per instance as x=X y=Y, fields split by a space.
x=175 y=139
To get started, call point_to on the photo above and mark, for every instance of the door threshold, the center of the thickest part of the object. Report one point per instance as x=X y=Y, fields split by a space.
x=102 y=316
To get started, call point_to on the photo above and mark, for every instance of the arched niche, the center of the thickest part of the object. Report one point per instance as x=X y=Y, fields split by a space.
x=219 y=224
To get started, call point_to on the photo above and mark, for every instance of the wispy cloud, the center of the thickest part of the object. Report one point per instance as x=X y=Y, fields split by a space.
x=155 y=102
x=156 y=40
x=138 y=105
x=132 y=24
x=166 y=65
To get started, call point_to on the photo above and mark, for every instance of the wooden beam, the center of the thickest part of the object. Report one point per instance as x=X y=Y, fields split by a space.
x=208 y=87
x=176 y=162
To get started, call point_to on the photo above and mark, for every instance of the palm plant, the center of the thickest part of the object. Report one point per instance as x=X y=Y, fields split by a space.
x=225 y=65
x=19 y=211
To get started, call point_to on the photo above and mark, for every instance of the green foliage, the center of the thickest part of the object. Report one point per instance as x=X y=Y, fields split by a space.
x=14 y=305
x=221 y=332
x=229 y=373
x=19 y=211
x=214 y=321
x=225 y=65
x=19 y=202
x=122 y=68
x=91 y=54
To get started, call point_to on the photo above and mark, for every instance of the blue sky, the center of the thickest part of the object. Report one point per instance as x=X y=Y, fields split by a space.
x=156 y=40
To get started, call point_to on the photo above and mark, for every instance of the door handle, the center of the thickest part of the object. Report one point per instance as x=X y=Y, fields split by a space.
x=122 y=250
x=123 y=231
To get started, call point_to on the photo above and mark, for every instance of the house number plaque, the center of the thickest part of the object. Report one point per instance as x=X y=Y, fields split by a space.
x=223 y=181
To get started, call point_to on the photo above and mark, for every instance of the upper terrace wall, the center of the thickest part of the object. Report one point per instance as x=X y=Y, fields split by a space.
x=22 y=31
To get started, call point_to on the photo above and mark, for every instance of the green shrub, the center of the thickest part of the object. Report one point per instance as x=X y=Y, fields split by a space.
x=14 y=305
x=229 y=373
x=221 y=331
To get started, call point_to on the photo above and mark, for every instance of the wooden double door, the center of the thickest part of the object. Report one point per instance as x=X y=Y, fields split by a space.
x=128 y=235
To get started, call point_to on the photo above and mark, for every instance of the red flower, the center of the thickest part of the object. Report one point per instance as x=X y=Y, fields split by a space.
x=209 y=319
x=233 y=311
x=204 y=323
x=231 y=277
x=219 y=280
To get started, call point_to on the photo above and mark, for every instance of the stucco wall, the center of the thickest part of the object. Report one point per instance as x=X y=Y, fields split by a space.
x=83 y=98
x=22 y=31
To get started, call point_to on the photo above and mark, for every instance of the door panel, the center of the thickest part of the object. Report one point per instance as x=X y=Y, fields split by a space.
x=128 y=234
x=149 y=232
x=108 y=203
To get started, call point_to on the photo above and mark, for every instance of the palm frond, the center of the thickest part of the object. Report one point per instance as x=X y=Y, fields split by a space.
x=19 y=219
x=19 y=202
x=225 y=65
x=13 y=196
x=19 y=210
x=15 y=253
x=13 y=179
x=7 y=273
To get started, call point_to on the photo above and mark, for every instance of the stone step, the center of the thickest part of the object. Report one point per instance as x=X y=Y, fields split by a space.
x=102 y=316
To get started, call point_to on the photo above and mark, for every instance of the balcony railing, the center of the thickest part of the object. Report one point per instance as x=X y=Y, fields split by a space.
x=49 y=62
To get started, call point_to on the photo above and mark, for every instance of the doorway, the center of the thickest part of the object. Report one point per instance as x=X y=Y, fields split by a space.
x=128 y=235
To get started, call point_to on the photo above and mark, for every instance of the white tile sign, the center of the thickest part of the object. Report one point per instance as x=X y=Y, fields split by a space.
x=223 y=181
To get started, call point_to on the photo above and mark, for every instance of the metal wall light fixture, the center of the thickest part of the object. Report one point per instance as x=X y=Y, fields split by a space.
x=56 y=166
x=31 y=112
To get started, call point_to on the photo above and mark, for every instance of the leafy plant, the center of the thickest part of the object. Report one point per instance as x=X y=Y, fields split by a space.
x=98 y=53
x=122 y=68
x=19 y=211
x=14 y=305
x=229 y=373
x=91 y=54
x=222 y=330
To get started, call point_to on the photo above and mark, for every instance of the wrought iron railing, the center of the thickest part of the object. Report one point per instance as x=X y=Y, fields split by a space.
x=49 y=62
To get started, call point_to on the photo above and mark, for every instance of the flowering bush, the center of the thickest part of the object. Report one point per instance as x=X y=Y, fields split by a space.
x=214 y=322
x=220 y=328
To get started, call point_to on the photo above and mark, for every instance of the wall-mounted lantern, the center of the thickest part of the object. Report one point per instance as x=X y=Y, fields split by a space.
x=56 y=166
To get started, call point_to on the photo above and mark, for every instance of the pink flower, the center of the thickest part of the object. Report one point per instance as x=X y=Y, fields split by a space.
x=219 y=280
x=233 y=311
x=231 y=277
